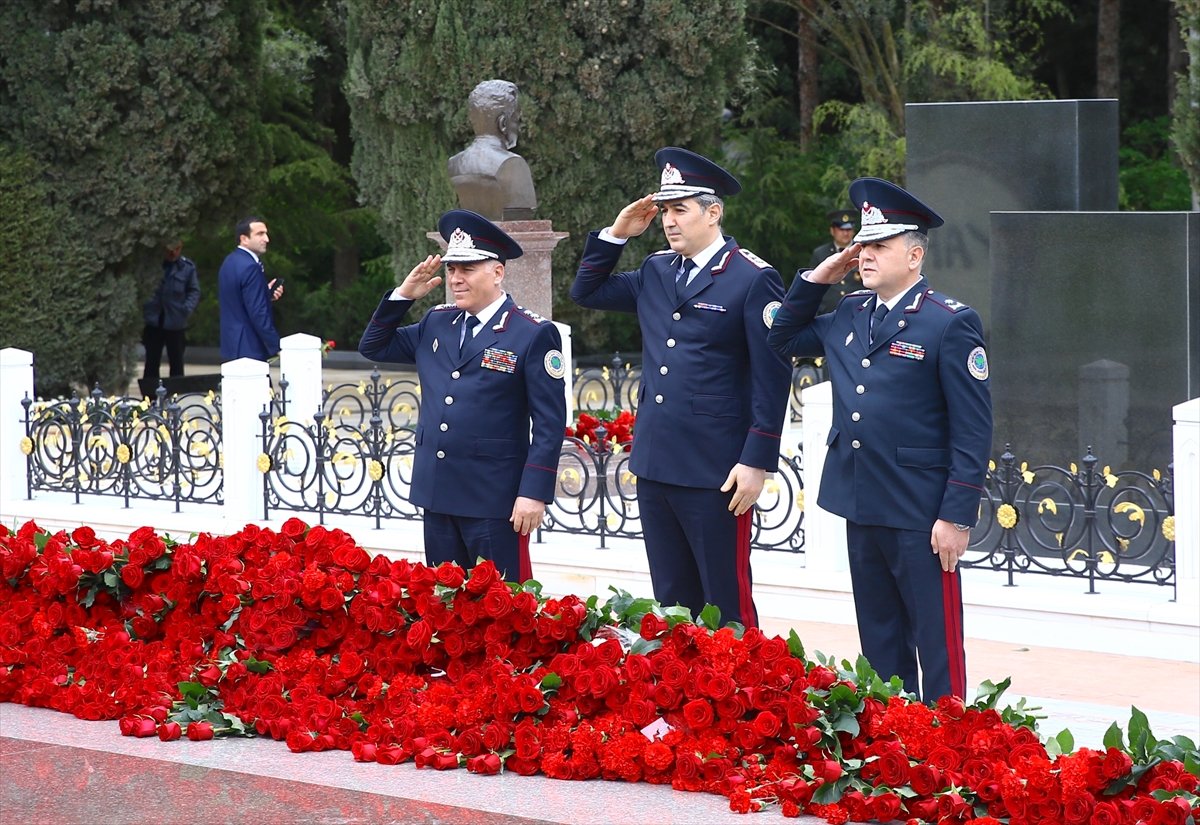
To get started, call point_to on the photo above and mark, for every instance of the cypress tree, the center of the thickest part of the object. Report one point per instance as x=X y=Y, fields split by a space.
x=602 y=86
x=140 y=121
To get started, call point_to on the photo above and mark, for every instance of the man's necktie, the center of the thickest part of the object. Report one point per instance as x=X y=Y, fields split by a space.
x=468 y=332
x=681 y=279
x=881 y=311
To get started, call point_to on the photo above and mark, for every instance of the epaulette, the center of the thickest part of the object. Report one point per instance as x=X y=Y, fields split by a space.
x=531 y=315
x=858 y=293
x=945 y=301
x=664 y=252
x=754 y=259
x=442 y=307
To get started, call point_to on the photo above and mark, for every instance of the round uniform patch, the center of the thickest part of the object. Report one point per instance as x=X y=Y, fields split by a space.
x=769 y=312
x=977 y=364
x=555 y=365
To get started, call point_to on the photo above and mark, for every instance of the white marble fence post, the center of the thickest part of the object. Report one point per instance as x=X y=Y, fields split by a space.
x=825 y=533
x=300 y=365
x=16 y=382
x=1187 y=493
x=569 y=363
x=245 y=390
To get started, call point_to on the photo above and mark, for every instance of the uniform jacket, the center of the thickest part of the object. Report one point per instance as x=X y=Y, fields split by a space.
x=713 y=394
x=176 y=298
x=474 y=454
x=247 y=326
x=912 y=412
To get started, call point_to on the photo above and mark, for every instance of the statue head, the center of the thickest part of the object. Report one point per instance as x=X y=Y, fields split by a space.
x=493 y=110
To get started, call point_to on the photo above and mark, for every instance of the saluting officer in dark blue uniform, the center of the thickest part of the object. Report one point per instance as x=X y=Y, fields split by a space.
x=487 y=368
x=713 y=395
x=912 y=429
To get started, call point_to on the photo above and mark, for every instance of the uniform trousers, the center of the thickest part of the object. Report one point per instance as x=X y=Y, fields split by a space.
x=698 y=551
x=154 y=338
x=463 y=540
x=908 y=609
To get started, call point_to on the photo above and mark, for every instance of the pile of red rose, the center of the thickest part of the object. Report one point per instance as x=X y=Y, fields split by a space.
x=301 y=635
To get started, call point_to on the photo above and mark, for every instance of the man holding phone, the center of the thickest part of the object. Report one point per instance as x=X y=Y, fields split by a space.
x=245 y=296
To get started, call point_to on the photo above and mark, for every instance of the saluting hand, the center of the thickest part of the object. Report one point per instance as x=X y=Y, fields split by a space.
x=836 y=267
x=527 y=514
x=746 y=483
x=422 y=279
x=635 y=218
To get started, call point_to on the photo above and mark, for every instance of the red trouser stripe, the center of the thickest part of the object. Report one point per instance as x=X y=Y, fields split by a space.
x=523 y=564
x=952 y=606
x=745 y=594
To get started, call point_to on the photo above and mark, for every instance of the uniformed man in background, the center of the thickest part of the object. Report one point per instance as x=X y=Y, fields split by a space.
x=912 y=429
x=487 y=369
x=713 y=395
x=841 y=233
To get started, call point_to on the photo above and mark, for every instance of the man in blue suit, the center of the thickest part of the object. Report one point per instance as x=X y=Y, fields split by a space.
x=713 y=395
x=912 y=429
x=487 y=369
x=245 y=296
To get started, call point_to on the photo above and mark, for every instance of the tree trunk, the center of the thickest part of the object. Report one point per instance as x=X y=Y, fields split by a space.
x=1108 y=49
x=1176 y=55
x=807 y=64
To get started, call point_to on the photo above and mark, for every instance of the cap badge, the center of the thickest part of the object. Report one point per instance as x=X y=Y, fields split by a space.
x=460 y=240
x=671 y=176
x=871 y=215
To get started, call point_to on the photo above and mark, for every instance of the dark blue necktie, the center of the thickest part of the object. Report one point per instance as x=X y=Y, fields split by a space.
x=881 y=311
x=685 y=267
x=468 y=329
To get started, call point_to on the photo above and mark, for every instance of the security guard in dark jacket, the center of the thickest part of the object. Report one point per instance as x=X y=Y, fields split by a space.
x=841 y=235
x=912 y=429
x=487 y=368
x=713 y=395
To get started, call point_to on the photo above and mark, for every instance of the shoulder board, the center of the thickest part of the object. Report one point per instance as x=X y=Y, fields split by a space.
x=945 y=301
x=443 y=307
x=531 y=315
x=858 y=293
x=754 y=259
x=664 y=252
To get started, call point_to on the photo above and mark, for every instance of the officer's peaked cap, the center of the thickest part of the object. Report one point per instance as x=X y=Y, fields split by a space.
x=887 y=211
x=842 y=218
x=472 y=237
x=685 y=174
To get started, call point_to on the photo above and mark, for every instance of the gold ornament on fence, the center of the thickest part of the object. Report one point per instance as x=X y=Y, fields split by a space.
x=123 y=453
x=264 y=463
x=27 y=445
x=374 y=470
x=1168 y=528
x=1006 y=516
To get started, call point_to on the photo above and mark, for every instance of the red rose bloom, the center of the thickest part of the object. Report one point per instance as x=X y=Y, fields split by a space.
x=199 y=731
x=698 y=714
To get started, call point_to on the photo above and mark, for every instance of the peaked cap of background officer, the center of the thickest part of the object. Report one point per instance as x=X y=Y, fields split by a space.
x=842 y=218
x=888 y=211
x=472 y=237
x=685 y=174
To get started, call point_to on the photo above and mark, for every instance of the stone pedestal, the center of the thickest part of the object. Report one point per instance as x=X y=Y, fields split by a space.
x=526 y=279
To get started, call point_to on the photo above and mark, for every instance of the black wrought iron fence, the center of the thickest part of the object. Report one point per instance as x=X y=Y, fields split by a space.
x=1081 y=521
x=129 y=448
x=353 y=457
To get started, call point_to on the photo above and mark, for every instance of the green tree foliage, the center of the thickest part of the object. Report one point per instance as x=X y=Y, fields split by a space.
x=308 y=197
x=1151 y=177
x=141 y=119
x=1185 y=130
x=602 y=85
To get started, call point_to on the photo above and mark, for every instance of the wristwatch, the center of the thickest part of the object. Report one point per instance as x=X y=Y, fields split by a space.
x=962 y=528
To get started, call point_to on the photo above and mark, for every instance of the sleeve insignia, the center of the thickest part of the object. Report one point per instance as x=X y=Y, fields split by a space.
x=977 y=364
x=769 y=313
x=556 y=366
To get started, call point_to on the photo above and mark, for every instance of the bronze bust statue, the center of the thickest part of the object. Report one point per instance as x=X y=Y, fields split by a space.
x=488 y=177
